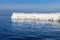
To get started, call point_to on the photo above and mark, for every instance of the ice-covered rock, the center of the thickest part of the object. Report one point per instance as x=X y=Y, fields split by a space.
x=36 y=16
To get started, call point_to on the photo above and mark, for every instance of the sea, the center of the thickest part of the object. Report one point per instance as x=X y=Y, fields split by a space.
x=28 y=29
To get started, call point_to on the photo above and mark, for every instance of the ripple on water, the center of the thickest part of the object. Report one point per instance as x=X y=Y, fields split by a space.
x=29 y=30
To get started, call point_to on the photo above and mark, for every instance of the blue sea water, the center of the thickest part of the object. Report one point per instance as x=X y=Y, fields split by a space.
x=28 y=30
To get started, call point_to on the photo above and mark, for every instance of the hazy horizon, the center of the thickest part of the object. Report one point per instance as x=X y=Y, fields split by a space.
x=9 y=6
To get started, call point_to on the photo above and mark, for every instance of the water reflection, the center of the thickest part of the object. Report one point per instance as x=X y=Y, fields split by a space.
x=35 y=22
x=44 y=30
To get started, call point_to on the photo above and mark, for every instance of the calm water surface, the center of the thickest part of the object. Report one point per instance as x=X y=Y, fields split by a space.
x=28 y=30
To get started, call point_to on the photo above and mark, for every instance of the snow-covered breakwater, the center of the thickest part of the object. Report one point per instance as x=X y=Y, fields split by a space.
x=36 y=16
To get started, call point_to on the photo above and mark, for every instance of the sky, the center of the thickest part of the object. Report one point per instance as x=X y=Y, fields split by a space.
x=30 y=4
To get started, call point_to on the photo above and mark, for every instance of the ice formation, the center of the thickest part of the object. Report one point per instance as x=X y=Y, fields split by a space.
x=36 y=16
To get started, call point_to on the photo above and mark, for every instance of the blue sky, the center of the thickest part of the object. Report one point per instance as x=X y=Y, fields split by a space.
x=30 y=4
x=35 y=2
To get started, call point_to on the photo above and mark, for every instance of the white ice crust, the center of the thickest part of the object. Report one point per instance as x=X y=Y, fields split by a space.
x=36 y=16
